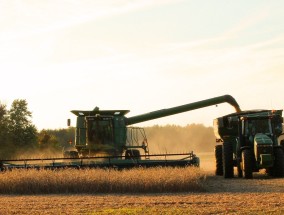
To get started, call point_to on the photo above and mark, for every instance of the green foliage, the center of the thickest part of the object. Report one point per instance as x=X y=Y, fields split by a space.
x=22 y=131
x=47 y=140
x=55 y=140
x=4 y=131
x=17 y=133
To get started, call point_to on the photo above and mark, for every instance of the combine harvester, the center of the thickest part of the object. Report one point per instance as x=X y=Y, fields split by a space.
x=104 y=138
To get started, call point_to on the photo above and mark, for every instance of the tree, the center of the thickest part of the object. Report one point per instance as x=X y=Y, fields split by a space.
x=47 y=140
x=4 y=138
x=23 y=133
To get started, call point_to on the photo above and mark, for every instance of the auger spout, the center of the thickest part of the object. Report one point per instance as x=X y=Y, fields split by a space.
x=183 y=108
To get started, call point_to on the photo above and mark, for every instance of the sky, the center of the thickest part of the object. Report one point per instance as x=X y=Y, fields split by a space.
x=140 y=55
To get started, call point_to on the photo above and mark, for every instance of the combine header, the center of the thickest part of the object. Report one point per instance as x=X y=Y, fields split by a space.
x=105 y=138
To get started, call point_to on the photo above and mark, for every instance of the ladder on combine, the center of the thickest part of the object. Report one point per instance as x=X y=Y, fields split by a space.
x=136 y=138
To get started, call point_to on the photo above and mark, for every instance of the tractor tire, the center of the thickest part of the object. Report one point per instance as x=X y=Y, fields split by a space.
x=278 y=168
x=282 y=144
x=269 y=171
x=132 y=154
x=228 y=162
x=239 y=168
x=247 y=163
x=219 y=159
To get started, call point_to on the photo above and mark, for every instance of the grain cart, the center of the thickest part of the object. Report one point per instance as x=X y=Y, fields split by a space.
x=248 y=140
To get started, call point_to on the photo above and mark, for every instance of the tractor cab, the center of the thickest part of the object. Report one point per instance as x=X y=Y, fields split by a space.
x=252 y=126
x=260 y=128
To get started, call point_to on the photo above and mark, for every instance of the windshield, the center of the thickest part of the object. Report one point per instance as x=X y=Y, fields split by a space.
x=258 y=126
x=100 y=131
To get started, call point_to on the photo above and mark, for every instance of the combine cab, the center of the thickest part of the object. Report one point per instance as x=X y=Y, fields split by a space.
x=248 y=140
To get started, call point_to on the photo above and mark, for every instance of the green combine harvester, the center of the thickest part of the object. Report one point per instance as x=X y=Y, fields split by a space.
x=105 y=138
x=248 y=140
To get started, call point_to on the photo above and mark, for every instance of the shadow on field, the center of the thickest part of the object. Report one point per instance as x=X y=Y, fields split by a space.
x=261 y=183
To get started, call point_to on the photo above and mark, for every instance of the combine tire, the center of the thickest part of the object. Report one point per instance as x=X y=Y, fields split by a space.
x=247 y=163
x=278 y=169
x=132 y=154
x=71 y=154
x=219 y=159
x=228 y=162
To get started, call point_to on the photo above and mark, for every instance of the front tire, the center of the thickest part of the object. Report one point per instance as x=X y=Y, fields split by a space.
x=247 y=163
x=219 y=159
x=228 y=162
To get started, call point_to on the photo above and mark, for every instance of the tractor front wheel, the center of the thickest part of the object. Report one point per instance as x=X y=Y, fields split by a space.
x=228 y=162
x=219 y=159
x=247 y=163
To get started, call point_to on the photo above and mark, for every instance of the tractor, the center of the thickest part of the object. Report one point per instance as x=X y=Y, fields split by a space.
x=248 y=140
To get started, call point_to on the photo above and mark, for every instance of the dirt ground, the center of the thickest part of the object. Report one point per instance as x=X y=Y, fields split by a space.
x=261 y=195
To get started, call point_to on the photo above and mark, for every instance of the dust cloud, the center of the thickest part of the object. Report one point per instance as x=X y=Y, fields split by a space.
x=177 y=139
x=39 y=154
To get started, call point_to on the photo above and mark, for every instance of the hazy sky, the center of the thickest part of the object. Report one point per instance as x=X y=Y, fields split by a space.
x=141 y=56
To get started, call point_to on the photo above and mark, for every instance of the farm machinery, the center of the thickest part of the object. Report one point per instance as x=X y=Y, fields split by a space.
x=105 y=138
x=248 y=140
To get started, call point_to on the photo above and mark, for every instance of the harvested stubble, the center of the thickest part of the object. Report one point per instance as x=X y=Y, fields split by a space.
x=138 y=180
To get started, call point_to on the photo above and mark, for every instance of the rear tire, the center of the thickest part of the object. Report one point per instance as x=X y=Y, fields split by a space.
x=247 y=163
x=228 y=162
x=219 y=159
x=278 y=168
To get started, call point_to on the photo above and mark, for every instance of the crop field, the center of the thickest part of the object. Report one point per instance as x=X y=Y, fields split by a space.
x=139 y=191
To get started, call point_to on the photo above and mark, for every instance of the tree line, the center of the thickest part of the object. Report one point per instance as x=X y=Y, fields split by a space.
x=19 y=137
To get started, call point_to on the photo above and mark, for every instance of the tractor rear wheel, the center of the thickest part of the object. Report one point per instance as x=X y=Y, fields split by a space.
x=278 y=168
x=219 y=159
x=228 y=162
x=247 y=163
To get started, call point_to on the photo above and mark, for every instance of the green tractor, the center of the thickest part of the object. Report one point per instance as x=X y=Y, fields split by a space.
x=248 y=140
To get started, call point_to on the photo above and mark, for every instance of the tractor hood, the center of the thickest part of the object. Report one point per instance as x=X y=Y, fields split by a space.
x=262 y=139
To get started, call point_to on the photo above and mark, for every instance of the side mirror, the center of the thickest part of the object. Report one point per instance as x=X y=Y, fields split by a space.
x=68 y=122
